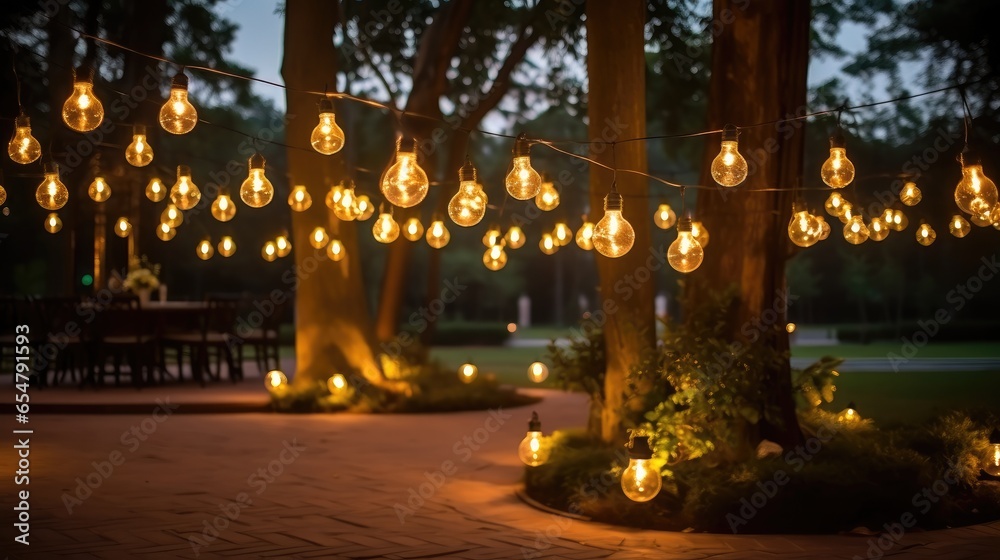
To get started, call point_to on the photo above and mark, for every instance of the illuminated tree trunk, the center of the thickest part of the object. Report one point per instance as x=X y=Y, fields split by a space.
x=760 y=59
x=332 y=325
x=617 y=109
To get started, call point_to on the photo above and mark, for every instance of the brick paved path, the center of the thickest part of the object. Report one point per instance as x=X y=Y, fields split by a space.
x=337 y=487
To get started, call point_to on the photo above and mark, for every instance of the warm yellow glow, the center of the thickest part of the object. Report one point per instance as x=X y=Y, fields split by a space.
x=585 y=235
x=613 y=235
x=205 y=250
x=899 y=220
x=123 y=227
x=855 y=231
x=548 y=244
x=165 y=232
x=837 y=170
x=178 y=115
x=835 y=204
x=337 y=383
x=664 y=217
x=363 y=208
x=437 y=234
x=562 y=234
x=82 y=111
x=139 y=153
x=685 y=254
x=926 y=235
x=282 y=245
x=975 y=194
x=468 y=372
x=511 y=327
x=299 y=199
x=641 y=482
x=538 y=372
x=803 y=229
x=223 y=208
x=319 y=238
x=327 y=138
x=53 y=223
x=491 y=236
x=991 y=461
x=468 y=206
x=185 y=195
x=156 y=190
x=547 y=198
x=346 y=208
x=275 y=381
x=256 y=190
x=910 y=194
x=172 y=216
x=523 y=182
x=99 y=190
x=532 y=450
x=700 y=232
x=495 y=257
x=23 y=148
x=790 y=328
x=269 y=251
x=51 y=194
x=335 y=250
x=413 y=230
x=849 y=415
x=729 y=168
x=514 y=237
x=878 y=229
x=227 y=247
x=385 y=230
x=405 y=183
x=959 y=226
x=847 y=212
x=333 y=196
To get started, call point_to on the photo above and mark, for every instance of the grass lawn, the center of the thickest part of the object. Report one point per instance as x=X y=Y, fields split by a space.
x=882 y=349
x=510 y=365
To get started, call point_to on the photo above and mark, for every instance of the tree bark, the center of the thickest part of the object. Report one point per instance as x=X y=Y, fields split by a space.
x=617 y=109
x=332 y=325
x=759 y=69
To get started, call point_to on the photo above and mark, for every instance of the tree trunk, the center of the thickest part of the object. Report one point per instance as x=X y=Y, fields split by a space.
x=332 y=326
x=617 y=109
x=759 y=68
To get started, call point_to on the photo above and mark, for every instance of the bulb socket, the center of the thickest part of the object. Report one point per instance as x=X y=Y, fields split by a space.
x=22 y=121
x=730 y=133
x=180 y=81
x=640 y=448
x=522 y=148
x=968 y=156
x=838 y=140
x=613 y=201
x=406 y=144
x=256 y=161
x=50 y=167
x=139 y=129
x=83 y=74
x=995 y=436
x=684 y=224
x=325 y=105
x=183 y=171
x=467 y=172
x=534 y=425
x=852 y=406
x=798 y=207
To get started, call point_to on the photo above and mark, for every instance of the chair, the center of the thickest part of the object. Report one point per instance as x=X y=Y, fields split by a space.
x=63 y=350
x=213 y=340
x=120 y=333
x=264 y=340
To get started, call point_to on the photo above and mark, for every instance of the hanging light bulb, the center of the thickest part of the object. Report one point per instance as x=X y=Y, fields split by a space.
x=139 y=153
x=514 y=237
x=910 y=194
x=336 y=384
x=729 y=168
x=993 y=216
x=178 y=115
x=700 y=232
x=848 y=212
x=437 y=234
x=83 y=111
x=385 y=230
x=165 y=232
x=468 y=206
x=975 y=194
x=51 y=193
x=275 y=381
x=333 y=196
x=926 y=235
x=825 y=230
x=585 y=235
x=413 y=230
x=123 y=227
x=803 y=227
x=405 y=183
x=959 y=226
x=172 y=216
x=23 y=147
x=548 y=244
x=532 y=450
x=835 y=204
x=299 y=199
x=3 y=191
x=335 y=250
x=562 y=234
x=640 y=481
x=850 y=414
x=205 y=250
x=53 y=223
x=363 y=208
x=492 y=235
x=269 y=251
x=283 y=246
x=327 y=138
x=223 y=207
x=664 y=217
x=538 y=372
x=256 y=191
x=685 y=254
x=523 y=182
x=899 y=220
x=613 y=235
x=345 y=208
x=991 y=460
x=156 y=190
x=837 y=170
x=184 y=194
x=878 y=229
x=495 y=257
x=548 y=197
x=467 y=372
x=855 y=231
x=319 y=238
x=99 y=190
x=227 y=247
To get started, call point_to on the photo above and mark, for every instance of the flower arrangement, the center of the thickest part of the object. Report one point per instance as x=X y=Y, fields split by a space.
x=142 y=275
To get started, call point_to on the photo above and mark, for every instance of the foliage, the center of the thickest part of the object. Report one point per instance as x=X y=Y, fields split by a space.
x=814 y=384
x=141 y=275
x=580 y=365
x=468 y=333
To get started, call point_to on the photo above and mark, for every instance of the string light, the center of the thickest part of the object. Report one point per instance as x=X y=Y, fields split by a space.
x=685 y=254
x=299 y=199
x=664 y=217
x=837 y=171
x=319 y=238
x=468 y=206
x=165 y=232
x=256 y=190
x=878 y=229
x=548 y=244
x=223 y=207
x=172 y=216
x=363 y=208
x=23 y=148
x=336 y=383
x=538 y=372
x=51 y=193
x=82 y=110
x=276 y=381
x=523 y=182
x=547 y=198
x=700 y=232
x=269 y=251
x=803 y=227
x=975 y=194
x=327 y=138
x=532 y=450
x=437 y=234
x=178 y=115
x=156 y=190
x=99 y=190
x=139 y=153
x=413 y=230
x=405 y=184
x=185 y=195
x=3 y=191
x=910 y=195
x=514 y=237
x=385 y=230
x=492 y=235
x=585 y=235
x=980 y=221
x=835 y=204
x=123 y=227
x=345 y=208
x=613 y=235
x=467 y=372
x=991 y=460
x=205 y=250
x=899 y=220
x=53 y=223
x=562 y=234
x=855 y=231
x=825 y=228
x=333 y=196
x=850 y=414
x=959 y=226
x=926 y=235
x=729 y=168
x=227 y=247
x=495 y=257
x=283 y=246
x=640 y=481
x=335 y=250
